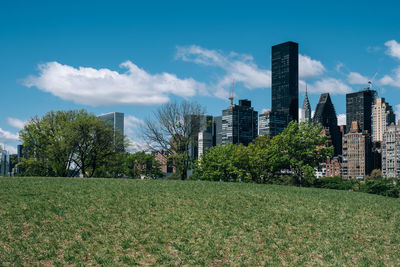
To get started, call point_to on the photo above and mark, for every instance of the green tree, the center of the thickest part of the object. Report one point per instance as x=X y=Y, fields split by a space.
x=229 y=163
x=260 y=157
x=299 y=149
x=375 y=174
x=65 y=143
x=46 y=142
x=141 y=164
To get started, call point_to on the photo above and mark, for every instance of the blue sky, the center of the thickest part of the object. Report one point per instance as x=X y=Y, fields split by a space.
x=132 y=56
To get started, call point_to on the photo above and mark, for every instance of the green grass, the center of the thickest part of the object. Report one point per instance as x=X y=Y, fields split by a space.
x=57 y=221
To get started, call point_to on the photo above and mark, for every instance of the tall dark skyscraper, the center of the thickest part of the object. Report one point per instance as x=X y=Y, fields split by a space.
x=239 y=123
x=325 y=115
x=359 y=108
x=285 y=85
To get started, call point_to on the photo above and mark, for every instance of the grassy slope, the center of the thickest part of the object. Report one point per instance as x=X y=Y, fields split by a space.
x=99 y=221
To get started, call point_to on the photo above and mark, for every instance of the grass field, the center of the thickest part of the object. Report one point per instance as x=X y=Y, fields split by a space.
x=50 y=221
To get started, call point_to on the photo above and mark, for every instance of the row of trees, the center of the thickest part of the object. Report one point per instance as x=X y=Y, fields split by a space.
x=297 y=150
x=75 y=142
x=71 y=143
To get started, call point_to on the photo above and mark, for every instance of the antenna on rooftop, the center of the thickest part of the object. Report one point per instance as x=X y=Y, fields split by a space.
x=231 y=95
x=370 y=81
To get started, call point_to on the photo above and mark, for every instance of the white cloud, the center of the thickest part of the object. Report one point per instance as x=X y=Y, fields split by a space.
x=16 y=123
x=326 y=85
x=241 y=68
x=393 y=48
x=8 y=137
x=238 y=67
x=341 y=118
x=96 y=87
x=136 y=146
x=356 y=78
x=309 y=67
x=393 y=80
x=132 y=125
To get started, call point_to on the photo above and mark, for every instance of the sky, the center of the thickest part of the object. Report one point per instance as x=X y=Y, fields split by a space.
x=133 y=56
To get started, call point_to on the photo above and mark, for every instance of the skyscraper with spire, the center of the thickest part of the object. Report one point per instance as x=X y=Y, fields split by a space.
x=306 y=109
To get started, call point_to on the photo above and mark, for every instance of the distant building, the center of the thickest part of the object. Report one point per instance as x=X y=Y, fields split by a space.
x=4 y=162
x=391 y=152
x=205 y=142
x=334 y=166
x=325 y=115
x=359 y=108
x=199 y=124
x=162 y=158
x=264 y=123
x=382 y=116
x=285 y=86
x=116 y=121
x=239 y=123
x=218 y=130
x=357 y=149
x=320 y=171
x=306 y=110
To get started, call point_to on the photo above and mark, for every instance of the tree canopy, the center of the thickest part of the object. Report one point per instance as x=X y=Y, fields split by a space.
x=66 y=143
x=297 y=150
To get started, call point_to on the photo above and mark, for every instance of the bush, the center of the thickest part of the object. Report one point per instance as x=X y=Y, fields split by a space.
x=383 y=187
x=335 y=183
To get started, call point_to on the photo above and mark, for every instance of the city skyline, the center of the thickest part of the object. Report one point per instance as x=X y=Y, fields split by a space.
x=132 y=60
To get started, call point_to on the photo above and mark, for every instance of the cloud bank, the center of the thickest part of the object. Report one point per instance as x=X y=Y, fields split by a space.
x=309 y=67
x=393 y=48
x=237 y=67
x=105 y=87
x=8 y=137
x=16 y=123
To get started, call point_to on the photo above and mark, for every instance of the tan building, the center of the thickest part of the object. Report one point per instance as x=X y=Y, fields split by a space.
x=162 y=158
x=382 y=116
x=357 y=150
x=334 y=167
x=391 y=152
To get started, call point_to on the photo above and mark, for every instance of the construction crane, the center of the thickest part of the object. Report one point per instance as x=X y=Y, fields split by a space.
x=231 y=95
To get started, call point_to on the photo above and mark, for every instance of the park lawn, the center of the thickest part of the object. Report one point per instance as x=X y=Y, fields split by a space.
x=59 y=221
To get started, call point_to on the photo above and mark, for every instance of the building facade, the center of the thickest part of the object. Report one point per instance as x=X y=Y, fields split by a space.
x=325 y=115
x=334 y=167
x=391 y=152
x=218 y=130
x=284 y=86
x=264 y=123
x=116 y=120
x=4 y=162
x=239 y=123
x=199 y=124
x=382 y=116
x=357 y=153
x=359 y=108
